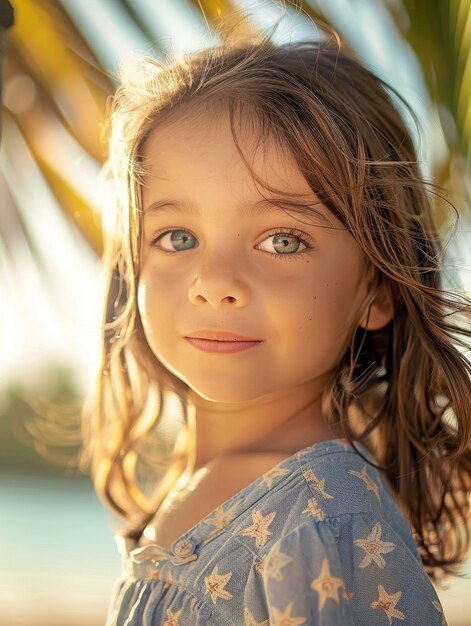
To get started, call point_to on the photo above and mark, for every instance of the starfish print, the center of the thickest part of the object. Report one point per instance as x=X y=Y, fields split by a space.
x=439 y=608
x=371 y=485
x=153 y=573
x=326 y=585
x=388 y=603
x=305 y=451
x=259 y=528
x=273 y=563
x=215 y=584
x=170 y=581
x=348 y=595
x=250 y=621
x=220 y=520
x=285 y=619
x=318 y=484
x=172 y=618
x=314 y=510
x=260 y=565
x=268 y=477
x=374 y=547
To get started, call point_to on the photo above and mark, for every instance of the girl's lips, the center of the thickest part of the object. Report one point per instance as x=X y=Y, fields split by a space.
x=220 y=335
x=208 y=345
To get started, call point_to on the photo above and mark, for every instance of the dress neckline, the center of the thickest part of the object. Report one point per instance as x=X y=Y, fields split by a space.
x=130 y=549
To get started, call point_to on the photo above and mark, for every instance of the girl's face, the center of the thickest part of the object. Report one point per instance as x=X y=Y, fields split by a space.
x=230 y=267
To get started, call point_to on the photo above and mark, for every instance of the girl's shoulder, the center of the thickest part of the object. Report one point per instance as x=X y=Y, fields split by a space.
x=344 y=480
x=332 y=484
x=341 y=551
x=342 y=543
x=340 y=479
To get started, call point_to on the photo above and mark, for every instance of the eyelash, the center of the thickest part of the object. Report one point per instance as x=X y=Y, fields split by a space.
x=303 y=237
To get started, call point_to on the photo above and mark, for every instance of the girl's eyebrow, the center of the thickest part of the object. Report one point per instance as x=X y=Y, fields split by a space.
x=262 y=207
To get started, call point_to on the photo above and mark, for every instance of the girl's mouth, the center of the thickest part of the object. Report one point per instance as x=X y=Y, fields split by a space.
x=209 y=345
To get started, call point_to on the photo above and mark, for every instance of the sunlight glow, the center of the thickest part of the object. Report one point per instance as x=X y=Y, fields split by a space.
x=45 y=319
x=177 y=25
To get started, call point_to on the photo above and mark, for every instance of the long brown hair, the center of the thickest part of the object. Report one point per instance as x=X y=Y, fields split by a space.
x=408 y=383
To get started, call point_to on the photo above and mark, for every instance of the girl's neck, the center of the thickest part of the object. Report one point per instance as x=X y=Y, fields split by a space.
x=262 y=430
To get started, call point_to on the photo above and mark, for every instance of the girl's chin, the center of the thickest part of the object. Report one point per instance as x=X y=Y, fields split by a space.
x=218 y=394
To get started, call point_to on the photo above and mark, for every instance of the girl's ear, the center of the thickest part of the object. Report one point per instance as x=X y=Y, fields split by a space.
x=380 y=305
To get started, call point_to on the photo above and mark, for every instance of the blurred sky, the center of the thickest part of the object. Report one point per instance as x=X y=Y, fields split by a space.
x=59 y=320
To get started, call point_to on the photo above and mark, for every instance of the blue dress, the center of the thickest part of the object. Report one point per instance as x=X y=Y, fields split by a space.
x=317 y=540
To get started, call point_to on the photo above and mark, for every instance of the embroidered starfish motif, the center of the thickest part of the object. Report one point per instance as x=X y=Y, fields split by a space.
x=302 y=453
x=374 y=547
x=314 y=510
x=439 y=608
x=170 y=581
x=215 y=584
x=388 y=604
x=268 y=477
x=273 y=562
x=172 y=618
x=260 y=565
x=220 y=520
x=326 y=585
x=250 y=621
x=153 y=573
x=317 y=484
x=371 y=485
x=348 y=595
x=285 y=619
x=259 y=529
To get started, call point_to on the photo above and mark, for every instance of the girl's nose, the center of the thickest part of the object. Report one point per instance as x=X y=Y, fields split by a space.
x=219 y=286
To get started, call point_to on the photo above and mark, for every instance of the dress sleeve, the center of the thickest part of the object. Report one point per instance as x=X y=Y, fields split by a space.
x=351 y=570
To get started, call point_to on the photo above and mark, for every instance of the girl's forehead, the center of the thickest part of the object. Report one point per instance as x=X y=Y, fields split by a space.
x=194 y=160
x=204 y=153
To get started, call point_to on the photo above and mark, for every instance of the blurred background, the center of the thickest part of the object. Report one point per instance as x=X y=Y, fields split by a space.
x=58 y=559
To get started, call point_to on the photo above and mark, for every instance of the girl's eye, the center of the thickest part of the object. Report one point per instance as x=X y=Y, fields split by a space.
x=178 y=237
x=285 y=242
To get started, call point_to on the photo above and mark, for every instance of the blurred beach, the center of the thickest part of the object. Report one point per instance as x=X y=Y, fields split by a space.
x=58 y=558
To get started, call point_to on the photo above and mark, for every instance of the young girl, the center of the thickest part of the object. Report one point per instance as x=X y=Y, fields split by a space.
x=274 y=266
